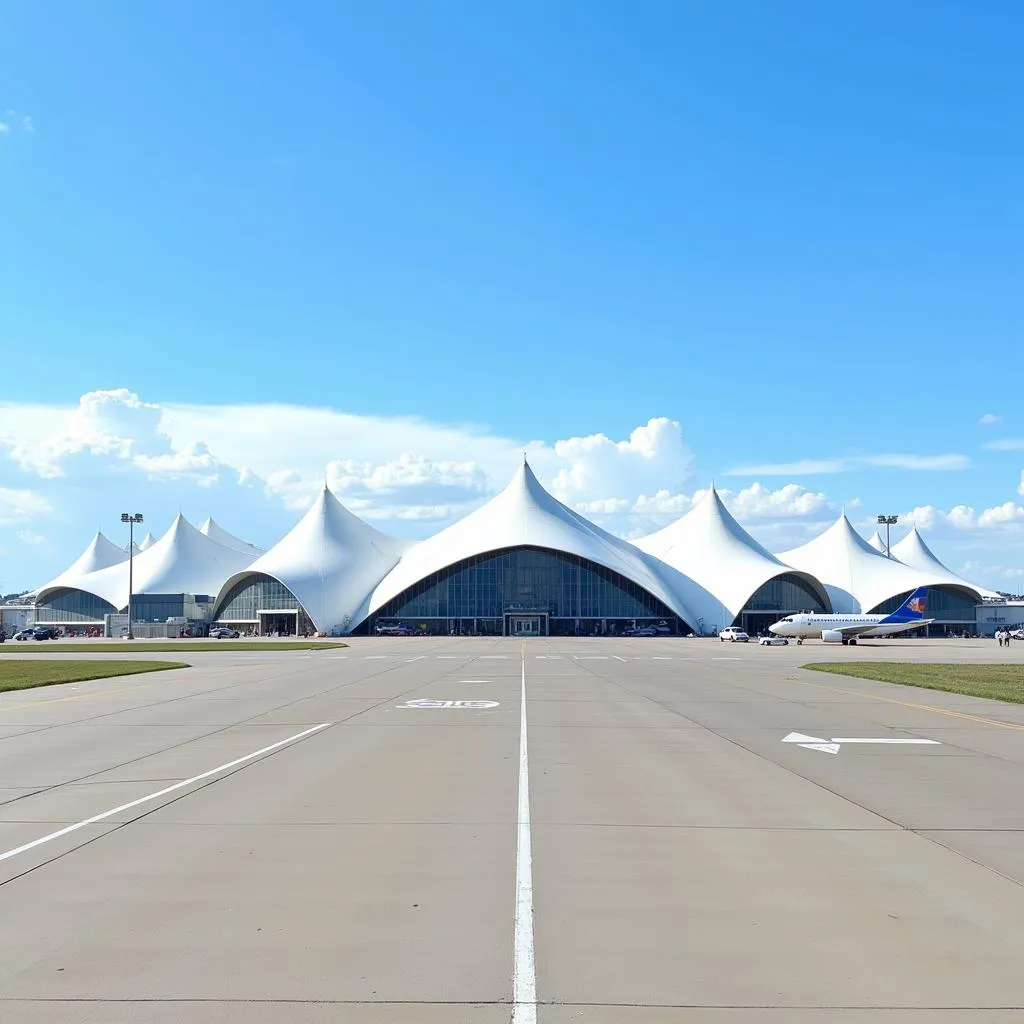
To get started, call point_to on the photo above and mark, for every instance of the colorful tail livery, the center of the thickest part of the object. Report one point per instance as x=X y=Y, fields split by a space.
x=911 y=610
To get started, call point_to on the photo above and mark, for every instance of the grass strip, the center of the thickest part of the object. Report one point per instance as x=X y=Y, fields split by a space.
x=159 y=646
x=16 y=674
x=1001 y=681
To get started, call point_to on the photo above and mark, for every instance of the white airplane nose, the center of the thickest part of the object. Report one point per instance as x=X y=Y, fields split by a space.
x=773 y=628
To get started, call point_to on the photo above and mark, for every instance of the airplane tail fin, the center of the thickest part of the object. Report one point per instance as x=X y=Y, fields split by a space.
x=911 y=610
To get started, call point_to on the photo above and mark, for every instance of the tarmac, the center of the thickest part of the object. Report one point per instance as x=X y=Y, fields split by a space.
x=685 y=831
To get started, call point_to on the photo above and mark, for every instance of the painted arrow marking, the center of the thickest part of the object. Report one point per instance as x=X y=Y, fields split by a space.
x=831 y=746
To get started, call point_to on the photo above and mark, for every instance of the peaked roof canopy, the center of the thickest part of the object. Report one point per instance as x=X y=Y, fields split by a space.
x=857 y=577
x=877 y=543
x=525 y=515
x=331 y=561
x=99 y=554
x=913 y=551
x=147 y=542
x=216 y=532
x=709 y=546
x=182 y=561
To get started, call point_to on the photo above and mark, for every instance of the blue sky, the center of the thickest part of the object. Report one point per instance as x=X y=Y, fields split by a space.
x=792 y=230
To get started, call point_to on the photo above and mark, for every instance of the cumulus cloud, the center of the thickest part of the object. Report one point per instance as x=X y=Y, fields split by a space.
x=19 y=506
x=12 y=121
x=760 y=502
x=849 y=464
x=114 y=428
x=1005 y=444
x=654 y=454
x=966 y=518
x=989 y=418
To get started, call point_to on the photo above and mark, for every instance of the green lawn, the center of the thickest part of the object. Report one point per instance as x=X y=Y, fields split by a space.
x=160 y=646
x=23 y=675
x=998 y=682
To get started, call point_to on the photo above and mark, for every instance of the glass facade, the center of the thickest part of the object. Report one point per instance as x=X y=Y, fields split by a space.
x=566 y=593
x=781 y=596
x=73 y=606
x=947 y=604
x=252 y=594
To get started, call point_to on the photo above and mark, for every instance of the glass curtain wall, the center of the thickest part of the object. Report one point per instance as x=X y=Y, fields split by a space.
x=73 y=606
x=783 y=595
x=567 y=595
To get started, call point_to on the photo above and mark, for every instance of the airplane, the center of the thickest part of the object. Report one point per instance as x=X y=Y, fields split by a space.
x=845 y=629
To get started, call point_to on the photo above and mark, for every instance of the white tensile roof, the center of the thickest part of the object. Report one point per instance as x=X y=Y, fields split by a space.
x=877 y=543
x=100 y=554
x=856 y=576
x=913 y=551
x=331 y=561
x=710 y=547
x=182 y=561
x=147 y=542
x=216 y=532
x=525 y=515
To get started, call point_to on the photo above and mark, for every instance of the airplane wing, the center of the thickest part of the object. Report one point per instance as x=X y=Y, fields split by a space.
x=885 y=629
x=862 y=627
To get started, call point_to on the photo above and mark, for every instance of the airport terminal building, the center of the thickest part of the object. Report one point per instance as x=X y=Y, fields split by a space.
x=522 y=564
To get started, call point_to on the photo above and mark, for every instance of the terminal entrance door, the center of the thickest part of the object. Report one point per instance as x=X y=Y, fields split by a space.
x=526 y=625
x=279 y=623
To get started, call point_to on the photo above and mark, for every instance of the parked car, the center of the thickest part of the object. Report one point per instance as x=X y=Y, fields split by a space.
x=641 y=631
x=224 y=633
x=733 y=634
x=773 y=641
x=395 y=630
x=36 y=633
x=1017 y=634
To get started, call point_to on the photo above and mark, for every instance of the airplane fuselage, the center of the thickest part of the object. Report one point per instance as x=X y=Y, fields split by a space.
x=811 y=627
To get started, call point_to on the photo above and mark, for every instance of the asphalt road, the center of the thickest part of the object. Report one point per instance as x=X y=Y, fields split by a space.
x=291 y=841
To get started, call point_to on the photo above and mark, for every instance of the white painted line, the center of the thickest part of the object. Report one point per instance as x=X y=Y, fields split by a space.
x=419 y=657
x=726 y=659
x=524 y=973
x=592 y=657
x=447 y=657
x=375 y=657
x=617 y=658
x=160 y=792
x=428 y=703
x=887 y=739
x=661 y=657
x=501 y=657
x=831 y=746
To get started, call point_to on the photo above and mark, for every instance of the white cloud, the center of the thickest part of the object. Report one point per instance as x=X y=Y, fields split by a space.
x=12 y=120
x=654 y=454
x=1005 y=444
x=760 y=502
x=662 y=502
x=966 y=518
x=30 y=537
x=18 y=506
x=989 y=418
x=1006 y=514
x=808 y=467
x=115 y=427
x=1020 y=486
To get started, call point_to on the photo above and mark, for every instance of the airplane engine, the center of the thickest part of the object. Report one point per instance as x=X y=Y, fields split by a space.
x=832 y=636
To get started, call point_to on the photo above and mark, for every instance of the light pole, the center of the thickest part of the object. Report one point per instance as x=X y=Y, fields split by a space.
x=131 y=520
x=888 y=521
